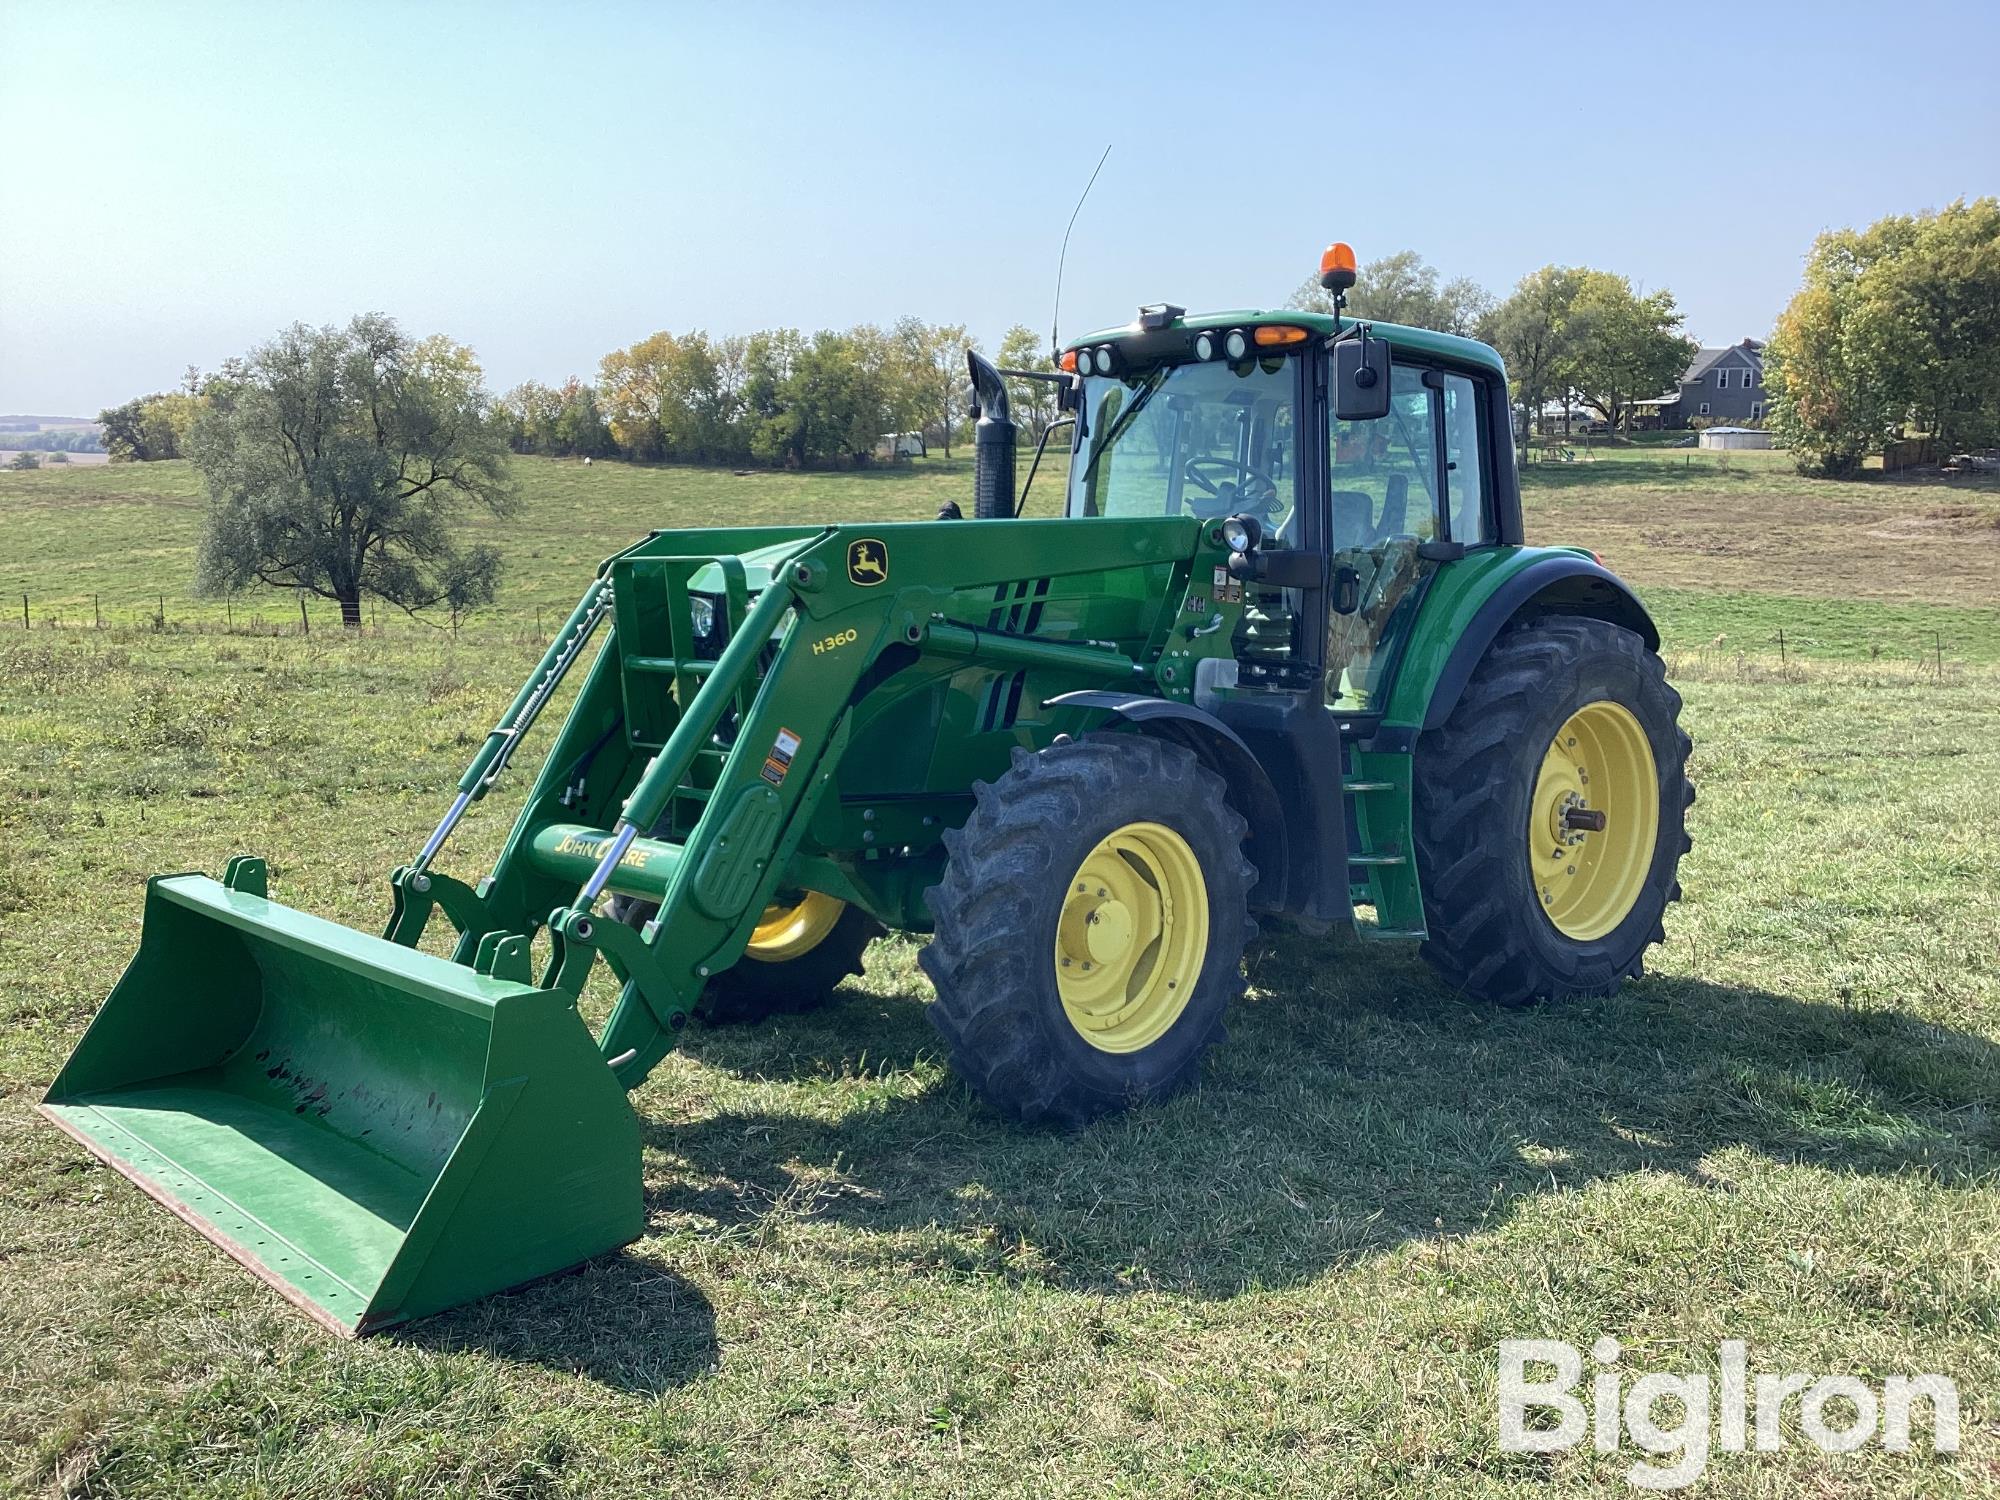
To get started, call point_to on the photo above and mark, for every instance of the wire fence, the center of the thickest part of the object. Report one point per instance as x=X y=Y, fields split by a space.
x=1795 y=649
x=164 y=613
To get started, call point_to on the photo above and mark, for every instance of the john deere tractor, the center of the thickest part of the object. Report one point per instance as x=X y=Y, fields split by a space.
x=1282 y=656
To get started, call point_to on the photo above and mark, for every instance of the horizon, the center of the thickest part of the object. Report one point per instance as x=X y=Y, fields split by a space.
x=560 y=192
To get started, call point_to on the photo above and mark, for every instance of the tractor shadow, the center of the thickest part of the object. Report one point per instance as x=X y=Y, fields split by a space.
x=619 y=1320
x=1356 y=1104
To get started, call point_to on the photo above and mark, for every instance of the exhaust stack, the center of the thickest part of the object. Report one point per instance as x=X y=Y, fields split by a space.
x=992 y=441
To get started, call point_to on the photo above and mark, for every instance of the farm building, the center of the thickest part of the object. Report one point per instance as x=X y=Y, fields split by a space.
x=1720 y=385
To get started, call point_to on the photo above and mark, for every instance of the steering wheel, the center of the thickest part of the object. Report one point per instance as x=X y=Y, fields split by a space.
x=1254 y=489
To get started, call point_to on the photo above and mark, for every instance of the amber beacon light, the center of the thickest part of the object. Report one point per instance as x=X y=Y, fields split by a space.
x=1336 y=267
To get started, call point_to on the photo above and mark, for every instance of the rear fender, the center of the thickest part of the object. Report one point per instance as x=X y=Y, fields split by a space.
x=1556 y=582
x=1224 y=752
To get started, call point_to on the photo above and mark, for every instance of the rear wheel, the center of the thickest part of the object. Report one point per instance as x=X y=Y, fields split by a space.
x=1089 y=929
x=804 y=945
x=1550 y=812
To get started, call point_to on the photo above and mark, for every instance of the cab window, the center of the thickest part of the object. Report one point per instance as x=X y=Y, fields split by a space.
x=1465 y=486
x=1205 y=438
x=1385 y=470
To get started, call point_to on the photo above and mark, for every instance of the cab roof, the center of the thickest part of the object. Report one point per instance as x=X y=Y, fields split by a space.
x=1423 y=341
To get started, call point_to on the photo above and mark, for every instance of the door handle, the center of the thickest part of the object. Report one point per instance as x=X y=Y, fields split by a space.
x=1346 y=591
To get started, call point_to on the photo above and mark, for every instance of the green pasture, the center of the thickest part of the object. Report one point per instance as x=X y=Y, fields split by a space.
x=855 y=1279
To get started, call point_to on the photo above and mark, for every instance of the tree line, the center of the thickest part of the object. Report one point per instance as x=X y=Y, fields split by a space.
x=52 y=439
x=778 y=396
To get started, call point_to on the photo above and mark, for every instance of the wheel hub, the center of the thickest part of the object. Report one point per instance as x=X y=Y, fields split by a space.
x=1131 y=937
x=792 y=927
x=1593 y=821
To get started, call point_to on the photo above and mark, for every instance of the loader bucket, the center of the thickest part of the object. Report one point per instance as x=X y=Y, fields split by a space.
x=378 y=1133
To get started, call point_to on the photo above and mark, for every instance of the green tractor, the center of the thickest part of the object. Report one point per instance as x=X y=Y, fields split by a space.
x=1283 y=656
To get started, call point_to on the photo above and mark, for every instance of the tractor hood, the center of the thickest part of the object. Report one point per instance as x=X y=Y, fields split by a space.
x=759 y=563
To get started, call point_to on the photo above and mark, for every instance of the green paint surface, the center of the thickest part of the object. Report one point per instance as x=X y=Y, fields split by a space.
x=344 y=1115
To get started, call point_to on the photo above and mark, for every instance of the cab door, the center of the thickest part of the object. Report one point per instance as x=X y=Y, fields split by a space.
x=1406 y=493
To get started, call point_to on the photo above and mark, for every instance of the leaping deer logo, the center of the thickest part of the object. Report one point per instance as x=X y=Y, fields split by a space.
x=867 y=563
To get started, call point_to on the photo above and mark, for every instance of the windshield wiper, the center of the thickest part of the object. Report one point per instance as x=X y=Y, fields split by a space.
x=1117 y=430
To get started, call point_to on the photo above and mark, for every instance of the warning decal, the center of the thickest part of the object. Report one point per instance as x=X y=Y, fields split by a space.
x=779 y=761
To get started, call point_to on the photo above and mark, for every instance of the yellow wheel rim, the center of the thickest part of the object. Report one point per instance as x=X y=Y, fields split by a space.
x=1131 y=938
x=1594 y=821
x=789 y=929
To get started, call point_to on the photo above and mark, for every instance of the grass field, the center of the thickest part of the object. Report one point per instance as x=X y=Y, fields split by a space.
x=855 y=1279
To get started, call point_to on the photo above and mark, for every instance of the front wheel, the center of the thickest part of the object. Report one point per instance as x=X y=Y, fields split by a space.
x=1089 y=928
x=1550 y=814
x=805 y=945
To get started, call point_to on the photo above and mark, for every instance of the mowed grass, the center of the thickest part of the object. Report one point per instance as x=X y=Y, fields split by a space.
x=856 y=1279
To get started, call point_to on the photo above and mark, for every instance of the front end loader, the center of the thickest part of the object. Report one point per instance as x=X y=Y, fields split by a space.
x=1282 y=656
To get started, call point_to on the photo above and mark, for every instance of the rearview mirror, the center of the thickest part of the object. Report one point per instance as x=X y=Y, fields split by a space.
x=1360 y=379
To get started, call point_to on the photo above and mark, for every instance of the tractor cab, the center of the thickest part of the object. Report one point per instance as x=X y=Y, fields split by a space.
x=1379 y=451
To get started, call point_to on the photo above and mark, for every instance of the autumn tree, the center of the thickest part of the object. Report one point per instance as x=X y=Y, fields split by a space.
x=1828 y=406
x=340 y=460
x=676 y=396
x=1895 y=330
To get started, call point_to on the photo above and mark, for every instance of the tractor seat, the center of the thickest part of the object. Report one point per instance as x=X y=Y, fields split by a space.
x=1353 y=518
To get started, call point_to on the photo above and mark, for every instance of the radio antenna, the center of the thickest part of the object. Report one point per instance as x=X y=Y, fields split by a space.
x=1055 y=319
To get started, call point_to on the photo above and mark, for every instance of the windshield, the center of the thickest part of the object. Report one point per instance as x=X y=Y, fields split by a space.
x=1206 y=439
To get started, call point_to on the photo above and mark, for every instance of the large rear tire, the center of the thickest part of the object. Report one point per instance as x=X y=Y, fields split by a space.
x=1089 y=928
x=1550 y=815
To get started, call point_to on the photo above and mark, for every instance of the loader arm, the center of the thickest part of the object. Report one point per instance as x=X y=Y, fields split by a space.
x=712 y=830
x=382 y=1133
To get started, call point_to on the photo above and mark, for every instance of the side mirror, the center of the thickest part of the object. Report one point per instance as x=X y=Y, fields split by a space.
x=1360 y=379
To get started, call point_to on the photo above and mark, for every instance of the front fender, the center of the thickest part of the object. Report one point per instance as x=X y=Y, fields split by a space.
x=1224 y=752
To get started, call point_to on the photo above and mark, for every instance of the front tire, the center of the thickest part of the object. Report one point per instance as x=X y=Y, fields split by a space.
x=1550 y=815
x=1089 y=928
x=805 y=946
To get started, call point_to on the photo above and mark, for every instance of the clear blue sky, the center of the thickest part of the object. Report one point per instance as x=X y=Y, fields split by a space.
x=546 y=182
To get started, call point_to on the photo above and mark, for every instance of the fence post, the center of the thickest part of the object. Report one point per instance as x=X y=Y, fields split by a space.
x=1781 y=648
x=24 y=613
x=305 y=625
x=97 y=611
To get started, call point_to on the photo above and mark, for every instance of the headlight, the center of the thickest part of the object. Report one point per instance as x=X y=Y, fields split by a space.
x=1236 y=346
x=1204 y=347
x=1241 y=533
x=702 y=609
